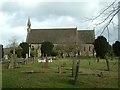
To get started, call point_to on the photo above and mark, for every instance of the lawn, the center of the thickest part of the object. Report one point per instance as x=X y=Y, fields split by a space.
x=50 y=78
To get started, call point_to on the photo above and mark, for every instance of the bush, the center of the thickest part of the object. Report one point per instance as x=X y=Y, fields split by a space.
x=54 y=53
x=33 y=53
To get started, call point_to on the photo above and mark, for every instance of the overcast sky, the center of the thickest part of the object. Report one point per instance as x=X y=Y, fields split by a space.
x=55 y=13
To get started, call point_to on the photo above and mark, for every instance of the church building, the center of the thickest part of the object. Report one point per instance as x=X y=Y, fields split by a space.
x=62 y=36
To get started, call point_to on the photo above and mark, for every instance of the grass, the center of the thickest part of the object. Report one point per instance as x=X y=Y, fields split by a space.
x=50 y=78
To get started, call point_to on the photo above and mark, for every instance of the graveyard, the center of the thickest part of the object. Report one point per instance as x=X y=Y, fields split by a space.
x=65 y=44
x=59 y=74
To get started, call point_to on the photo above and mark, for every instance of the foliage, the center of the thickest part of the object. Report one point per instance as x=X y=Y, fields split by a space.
x=33 y=53
x=58 y=48
x=25 y=47
x=69 y=48
x=101 y=46
x=18 y=51
x=47 y=47
x=54 y=53
x=116 y=48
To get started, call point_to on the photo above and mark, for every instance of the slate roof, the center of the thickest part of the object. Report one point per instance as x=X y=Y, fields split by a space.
x=86 y=36
x=59 y=36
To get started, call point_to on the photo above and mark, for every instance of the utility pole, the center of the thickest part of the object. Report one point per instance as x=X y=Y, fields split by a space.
x=108 y=34
x=118 y=22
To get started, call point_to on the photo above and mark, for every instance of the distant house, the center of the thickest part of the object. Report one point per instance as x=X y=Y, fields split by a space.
x=84 y=38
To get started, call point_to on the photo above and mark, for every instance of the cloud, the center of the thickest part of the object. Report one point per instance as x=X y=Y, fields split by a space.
x=14 y=14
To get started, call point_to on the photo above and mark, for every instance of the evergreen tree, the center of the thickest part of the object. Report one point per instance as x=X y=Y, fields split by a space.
x=116 y=48
x=101 y=46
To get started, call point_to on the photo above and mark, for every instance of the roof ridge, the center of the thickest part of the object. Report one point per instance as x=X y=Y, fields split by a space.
x=55 y=29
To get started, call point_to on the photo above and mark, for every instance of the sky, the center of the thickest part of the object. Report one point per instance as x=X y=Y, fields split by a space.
x=51 y=14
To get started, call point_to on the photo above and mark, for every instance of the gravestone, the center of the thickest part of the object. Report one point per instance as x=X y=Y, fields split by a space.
x=26 y=56
x=75 y=70
x=13 y=62
x=59 y=69
x=1 y=51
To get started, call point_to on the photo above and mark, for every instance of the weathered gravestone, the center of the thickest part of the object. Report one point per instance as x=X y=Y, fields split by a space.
x=13 y=62
x=1 y=51
x=75 y=70
x=1 y=55
x=59 y=69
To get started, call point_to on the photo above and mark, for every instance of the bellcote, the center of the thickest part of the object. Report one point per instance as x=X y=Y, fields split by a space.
x=28 y=25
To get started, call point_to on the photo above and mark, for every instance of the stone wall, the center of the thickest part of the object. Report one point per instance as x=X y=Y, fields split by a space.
x=84 y=49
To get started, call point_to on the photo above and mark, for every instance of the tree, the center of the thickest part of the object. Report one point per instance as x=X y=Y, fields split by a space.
x=116 y=48
x=13 y=45
x=33 y=53
x=46 y=49
x=101 y=47
x=110 y=51
x=54 y=53
x=19 y=51
x=70 y=48
x=60 y=49
x=25 y=47
x=107 y=15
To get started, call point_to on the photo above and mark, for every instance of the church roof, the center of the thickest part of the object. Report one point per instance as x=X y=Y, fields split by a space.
x=60 y=36
x=86 y=36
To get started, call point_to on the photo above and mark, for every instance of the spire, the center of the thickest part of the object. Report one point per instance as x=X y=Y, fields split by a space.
x=28 y=25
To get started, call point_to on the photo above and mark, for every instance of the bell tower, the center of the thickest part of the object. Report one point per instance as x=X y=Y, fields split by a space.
x=28 y=25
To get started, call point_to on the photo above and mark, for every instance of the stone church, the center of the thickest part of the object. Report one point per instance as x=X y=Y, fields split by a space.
x=62 y=36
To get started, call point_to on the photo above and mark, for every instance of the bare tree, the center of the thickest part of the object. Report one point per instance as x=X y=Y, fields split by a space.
x=13 y=44
x=107 y=16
